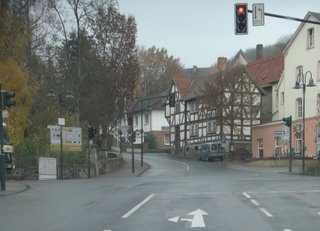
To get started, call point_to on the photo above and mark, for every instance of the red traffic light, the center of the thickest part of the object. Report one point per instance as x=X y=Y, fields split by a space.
x=241 y=18
x=241 y=10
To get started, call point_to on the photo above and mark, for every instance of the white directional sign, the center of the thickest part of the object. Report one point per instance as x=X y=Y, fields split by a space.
x=258 y=14
x=197 y=220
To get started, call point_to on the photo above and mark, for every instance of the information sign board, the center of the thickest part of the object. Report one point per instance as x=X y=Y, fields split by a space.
x=71 y=138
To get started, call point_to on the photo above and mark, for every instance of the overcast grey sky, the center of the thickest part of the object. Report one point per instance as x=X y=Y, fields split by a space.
x=199 y=31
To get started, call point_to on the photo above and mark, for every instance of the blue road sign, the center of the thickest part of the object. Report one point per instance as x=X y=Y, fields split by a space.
x=279 y=132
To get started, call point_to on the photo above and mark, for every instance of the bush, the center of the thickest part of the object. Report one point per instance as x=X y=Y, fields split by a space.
x=27 y=153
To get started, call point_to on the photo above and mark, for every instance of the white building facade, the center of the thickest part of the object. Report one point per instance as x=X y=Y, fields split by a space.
x=301 y=56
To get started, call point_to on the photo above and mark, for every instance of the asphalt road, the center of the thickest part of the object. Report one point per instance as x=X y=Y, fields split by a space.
x=174 y=194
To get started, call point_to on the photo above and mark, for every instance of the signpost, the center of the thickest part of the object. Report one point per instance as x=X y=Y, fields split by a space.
x=71 y=138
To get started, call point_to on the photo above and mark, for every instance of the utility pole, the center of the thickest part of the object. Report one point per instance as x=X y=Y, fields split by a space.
x=2 y=157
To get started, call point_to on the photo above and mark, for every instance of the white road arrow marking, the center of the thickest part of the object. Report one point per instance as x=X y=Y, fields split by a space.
x=174 y=219
x=197 y=220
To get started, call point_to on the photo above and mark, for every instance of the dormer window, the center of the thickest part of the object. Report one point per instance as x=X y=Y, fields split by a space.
x=310 y=38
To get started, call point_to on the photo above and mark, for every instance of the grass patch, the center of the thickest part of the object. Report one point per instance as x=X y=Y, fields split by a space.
x=273 y=163
x=312 y=167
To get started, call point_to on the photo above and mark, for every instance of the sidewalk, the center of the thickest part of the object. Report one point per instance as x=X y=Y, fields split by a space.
x=13 y=187
x=126 y=169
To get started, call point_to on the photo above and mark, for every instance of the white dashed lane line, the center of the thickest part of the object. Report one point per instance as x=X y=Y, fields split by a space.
x=257 y=204
x=266 y=212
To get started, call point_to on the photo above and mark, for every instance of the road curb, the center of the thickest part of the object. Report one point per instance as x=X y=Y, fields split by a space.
x=144 y=170
x=14 y=188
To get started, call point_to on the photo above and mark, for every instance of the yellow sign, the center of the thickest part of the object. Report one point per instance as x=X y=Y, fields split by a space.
x=56 y=147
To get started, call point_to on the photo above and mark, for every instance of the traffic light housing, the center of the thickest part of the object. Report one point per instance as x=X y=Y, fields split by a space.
x=288 y=121
x=241 y=18
x=91 y=132
x=172 y=100
x=7 y=98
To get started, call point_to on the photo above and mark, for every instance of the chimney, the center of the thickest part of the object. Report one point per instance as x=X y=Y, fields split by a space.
x=194 y=69
x=222 y=63
x=259 y=51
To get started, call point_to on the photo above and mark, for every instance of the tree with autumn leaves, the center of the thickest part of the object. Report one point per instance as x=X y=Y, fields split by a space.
x=14 y=37
x=83 y=47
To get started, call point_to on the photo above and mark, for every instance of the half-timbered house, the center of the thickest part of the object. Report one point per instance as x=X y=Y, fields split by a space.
x=194 y=121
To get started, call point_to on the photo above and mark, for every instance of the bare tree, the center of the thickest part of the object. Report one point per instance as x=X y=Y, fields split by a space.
x=109 y=89
x=236 y=100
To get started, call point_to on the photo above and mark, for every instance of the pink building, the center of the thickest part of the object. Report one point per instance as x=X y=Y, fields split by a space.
x=269 y=142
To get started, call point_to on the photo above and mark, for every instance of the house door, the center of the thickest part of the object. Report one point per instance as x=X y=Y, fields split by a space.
x=177 y=140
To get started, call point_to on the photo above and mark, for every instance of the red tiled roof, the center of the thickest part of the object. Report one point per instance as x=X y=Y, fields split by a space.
x=266 y=71
x=183 y=84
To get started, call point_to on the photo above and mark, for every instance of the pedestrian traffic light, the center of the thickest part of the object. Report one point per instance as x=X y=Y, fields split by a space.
x=288 y=121
x=241 y=18
x=91 y=132
x=7 y=98
x=172 y=100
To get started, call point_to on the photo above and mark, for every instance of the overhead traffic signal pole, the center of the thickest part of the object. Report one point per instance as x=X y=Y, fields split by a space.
x=241 y=17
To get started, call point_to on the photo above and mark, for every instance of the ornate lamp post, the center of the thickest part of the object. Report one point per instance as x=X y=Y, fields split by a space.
x=298 y=85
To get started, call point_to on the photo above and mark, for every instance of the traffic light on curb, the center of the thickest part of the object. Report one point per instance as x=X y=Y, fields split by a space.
x=241 y=18
x=91 y=132
x=7 y=98
x=288 y=121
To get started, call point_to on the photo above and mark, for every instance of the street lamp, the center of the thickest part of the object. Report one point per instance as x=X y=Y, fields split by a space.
x=298 y=85
x=61 y=122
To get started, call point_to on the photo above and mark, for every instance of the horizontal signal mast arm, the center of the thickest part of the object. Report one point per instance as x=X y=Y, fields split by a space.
x=288 y=18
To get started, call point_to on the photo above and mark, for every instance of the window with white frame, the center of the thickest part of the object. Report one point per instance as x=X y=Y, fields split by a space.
x=277 y=146
x=318 y=71
x=136 y=119
x=146 y=119
x=310 y=38
x=277 y=142
x=298 y=146
x=166 y=140
x=177 y=107
x=299 y=107
x=193 y=105
x=212 y=127
x=318 y=104
x=194 y=131
x=260 y=147
x=299 y=72
x=282 y=98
